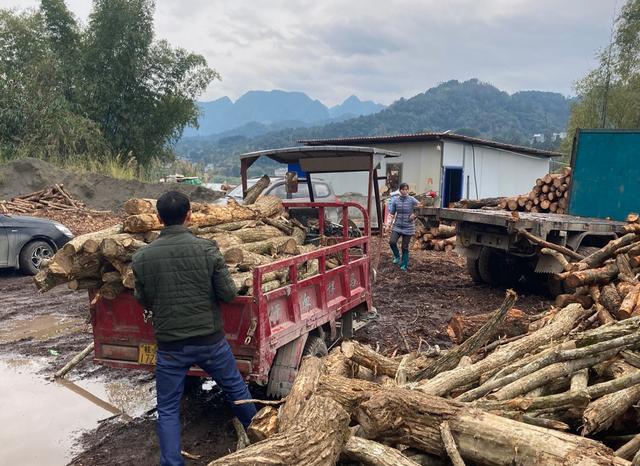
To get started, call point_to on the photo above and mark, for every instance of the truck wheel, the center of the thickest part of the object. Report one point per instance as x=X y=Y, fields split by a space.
x=491 y=266
x=32 y=256
x=473 y=270
x=315 y=346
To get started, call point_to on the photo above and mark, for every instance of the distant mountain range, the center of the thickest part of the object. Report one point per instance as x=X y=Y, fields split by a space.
x=472 y=108
x=258 y=112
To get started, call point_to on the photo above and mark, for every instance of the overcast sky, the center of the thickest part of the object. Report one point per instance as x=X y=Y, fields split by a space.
x=382 y=50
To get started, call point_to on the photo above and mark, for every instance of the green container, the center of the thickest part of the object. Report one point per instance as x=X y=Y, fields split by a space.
x=605 y=178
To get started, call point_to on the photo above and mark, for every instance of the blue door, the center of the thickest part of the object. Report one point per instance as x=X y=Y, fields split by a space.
x=452 y=185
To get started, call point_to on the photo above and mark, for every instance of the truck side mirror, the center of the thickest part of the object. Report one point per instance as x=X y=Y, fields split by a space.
x=291 y=182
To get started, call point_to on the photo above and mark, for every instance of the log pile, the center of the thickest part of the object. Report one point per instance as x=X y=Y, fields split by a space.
x=247 y=236
x=550 y=194
x=537 y=398
x=440 y=238
x=55 y=197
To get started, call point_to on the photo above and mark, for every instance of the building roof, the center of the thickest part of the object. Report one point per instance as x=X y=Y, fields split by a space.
x=430 y=136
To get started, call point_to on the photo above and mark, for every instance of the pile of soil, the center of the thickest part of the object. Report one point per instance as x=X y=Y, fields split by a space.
x=98 y=192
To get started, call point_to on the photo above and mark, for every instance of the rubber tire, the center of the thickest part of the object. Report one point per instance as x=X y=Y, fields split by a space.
x=490 y=267
x=315 y=346
x=473 y=270
x=24 y=260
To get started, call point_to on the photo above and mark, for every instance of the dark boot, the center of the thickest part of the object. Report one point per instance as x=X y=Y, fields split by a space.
x=396 y=253
x=405 y=259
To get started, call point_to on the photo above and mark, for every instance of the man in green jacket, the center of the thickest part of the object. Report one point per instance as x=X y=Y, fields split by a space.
x=181 y=278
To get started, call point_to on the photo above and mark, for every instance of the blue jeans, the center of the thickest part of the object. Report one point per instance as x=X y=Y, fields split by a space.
x=217 y=361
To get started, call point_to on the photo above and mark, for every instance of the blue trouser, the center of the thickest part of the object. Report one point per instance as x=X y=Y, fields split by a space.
x=217 y=361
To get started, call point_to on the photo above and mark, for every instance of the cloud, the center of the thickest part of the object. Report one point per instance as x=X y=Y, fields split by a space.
x=383 y=49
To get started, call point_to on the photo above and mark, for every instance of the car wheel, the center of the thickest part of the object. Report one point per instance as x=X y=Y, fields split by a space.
x=33 y=254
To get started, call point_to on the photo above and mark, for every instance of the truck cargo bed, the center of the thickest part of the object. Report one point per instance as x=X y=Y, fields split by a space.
x=537 y=223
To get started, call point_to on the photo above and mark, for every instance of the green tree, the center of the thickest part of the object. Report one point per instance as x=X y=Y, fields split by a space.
x=141 y=93
x=36 y=119
x=609 y=96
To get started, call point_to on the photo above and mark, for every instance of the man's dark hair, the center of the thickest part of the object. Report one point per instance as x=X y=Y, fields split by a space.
x=173 y=207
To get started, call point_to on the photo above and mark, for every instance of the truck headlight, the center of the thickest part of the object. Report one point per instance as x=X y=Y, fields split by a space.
x=64 y=230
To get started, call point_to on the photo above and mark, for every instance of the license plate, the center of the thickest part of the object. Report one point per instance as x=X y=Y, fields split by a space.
x=147 y=354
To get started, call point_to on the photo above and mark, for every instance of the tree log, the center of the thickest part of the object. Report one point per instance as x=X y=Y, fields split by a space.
x=368 y=357
x=591 y=276
x=601 y=413
x=443 y=231
x=370 y=453
x=629 y=449
x=349 y=393
x=315 y=437
x=450 y=445
x=629 y=303
x=597 y=258
x=120 y=247
x=254 y=191
x=462 y=326
x=444 y=382
x=450 y=359
x=304 y=385
x=610 y=299
x=140 y=206
x=413 y=418
x=259 y=233
x=75 y=245
x=273 y=246
x=264 y=424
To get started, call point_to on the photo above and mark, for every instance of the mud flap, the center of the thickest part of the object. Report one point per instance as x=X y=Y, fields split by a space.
x=285 y=367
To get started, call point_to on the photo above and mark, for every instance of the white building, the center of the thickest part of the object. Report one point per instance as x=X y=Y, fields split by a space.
x=450 y=164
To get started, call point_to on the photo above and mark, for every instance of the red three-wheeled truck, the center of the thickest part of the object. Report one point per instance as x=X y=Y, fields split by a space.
x=270 y=332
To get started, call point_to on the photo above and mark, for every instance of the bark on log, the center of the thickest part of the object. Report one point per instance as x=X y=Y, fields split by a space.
x=413 y=418
x=368 y=357
x=370 y=453
x=259 y=233
x=601 y=413
x=279 y=224
x=597 y=258
x=450 y=445
x=461 y=326
x=552 y=372
x=629 y=449
x=610 y=299
x=336 y=363
x=316 y=437
x=444 y=382
x=74 y=361
x=254 y=191
x=443 y=231
x=591 y=276
x=304 y=385
x=450 y=359
x=238 y=255
x=273 y=246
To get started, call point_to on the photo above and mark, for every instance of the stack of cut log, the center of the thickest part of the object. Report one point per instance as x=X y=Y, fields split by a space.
x=440 y=238
x=52 y=198
x=550 y=194
x=607 y=278
x=530 y=399
x=247 y=235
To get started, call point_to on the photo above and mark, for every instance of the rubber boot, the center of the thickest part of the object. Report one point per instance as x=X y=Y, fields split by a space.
x=396 y=253
x=405 y=260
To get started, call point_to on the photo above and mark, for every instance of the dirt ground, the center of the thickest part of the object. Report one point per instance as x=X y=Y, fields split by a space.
x=98 y=192
x=412 y=306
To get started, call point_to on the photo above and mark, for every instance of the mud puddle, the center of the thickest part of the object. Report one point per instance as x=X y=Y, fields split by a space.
x=40 y=328
x=41 y=420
